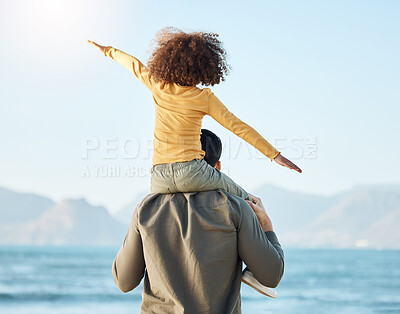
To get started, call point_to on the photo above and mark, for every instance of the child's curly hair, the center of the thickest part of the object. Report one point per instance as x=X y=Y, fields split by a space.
x=188 y=59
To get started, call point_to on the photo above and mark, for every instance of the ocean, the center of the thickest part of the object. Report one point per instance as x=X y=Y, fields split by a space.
x=78 y=280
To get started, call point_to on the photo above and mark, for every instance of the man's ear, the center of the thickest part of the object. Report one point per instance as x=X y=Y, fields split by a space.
x=218 y=165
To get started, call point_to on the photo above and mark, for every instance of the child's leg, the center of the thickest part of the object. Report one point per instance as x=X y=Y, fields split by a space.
x=162 y=180
x=200 y=176
x=192 y=176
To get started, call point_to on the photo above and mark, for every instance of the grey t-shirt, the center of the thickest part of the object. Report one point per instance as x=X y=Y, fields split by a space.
x=189 y=247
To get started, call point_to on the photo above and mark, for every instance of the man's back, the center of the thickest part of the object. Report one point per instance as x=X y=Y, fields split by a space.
x=192 y=245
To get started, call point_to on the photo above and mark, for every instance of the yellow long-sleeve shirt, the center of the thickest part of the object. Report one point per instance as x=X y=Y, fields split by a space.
x=179 y=112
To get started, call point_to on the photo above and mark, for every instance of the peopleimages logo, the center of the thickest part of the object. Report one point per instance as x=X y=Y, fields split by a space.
x=132 y=157
x=116 y=148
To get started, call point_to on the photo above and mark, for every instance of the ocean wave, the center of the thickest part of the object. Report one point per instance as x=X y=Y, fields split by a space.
x=54 y=297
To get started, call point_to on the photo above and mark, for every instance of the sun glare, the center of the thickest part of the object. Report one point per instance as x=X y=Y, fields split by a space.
x=50 y=22
x=49 y=29
x=42 y=20
x=54 y=14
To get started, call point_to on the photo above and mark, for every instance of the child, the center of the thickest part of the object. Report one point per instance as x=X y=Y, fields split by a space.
x=180 y=62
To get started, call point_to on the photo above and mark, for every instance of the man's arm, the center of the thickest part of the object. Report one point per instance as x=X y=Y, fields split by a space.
x=128 y=267
x=258 y=248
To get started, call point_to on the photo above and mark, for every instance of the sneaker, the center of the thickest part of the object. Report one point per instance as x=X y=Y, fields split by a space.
x=250 y=280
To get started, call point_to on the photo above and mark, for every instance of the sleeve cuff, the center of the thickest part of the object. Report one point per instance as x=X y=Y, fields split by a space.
x=272 y=237
x=106 y=51
x=276 y=154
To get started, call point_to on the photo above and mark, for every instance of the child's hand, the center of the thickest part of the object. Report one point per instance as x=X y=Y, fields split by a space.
x=286 y=163
x=101 y=48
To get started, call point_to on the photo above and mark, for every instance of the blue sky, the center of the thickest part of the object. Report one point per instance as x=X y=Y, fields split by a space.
x=319 y=79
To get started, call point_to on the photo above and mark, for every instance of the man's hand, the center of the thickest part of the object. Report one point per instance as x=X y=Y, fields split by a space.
x=100 y=47
x=286 y=163
x=261 y=214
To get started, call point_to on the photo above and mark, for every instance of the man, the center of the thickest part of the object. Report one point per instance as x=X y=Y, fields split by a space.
x=190 y=246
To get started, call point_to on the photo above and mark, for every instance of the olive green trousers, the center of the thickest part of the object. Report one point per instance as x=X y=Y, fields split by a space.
x=192 y=176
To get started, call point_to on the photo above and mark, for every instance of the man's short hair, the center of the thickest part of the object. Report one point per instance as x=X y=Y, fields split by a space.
x=212 y=146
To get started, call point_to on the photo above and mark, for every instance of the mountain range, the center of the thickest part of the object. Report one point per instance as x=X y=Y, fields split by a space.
x=365 y=216
x=30 y=219
x=362 y=217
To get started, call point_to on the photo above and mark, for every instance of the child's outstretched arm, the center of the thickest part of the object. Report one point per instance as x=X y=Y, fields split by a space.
x=221 y=114
x=128 y=61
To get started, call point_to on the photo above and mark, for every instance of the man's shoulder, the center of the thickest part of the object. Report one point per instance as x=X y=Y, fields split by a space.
x=211 y=198
x=209 y=209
